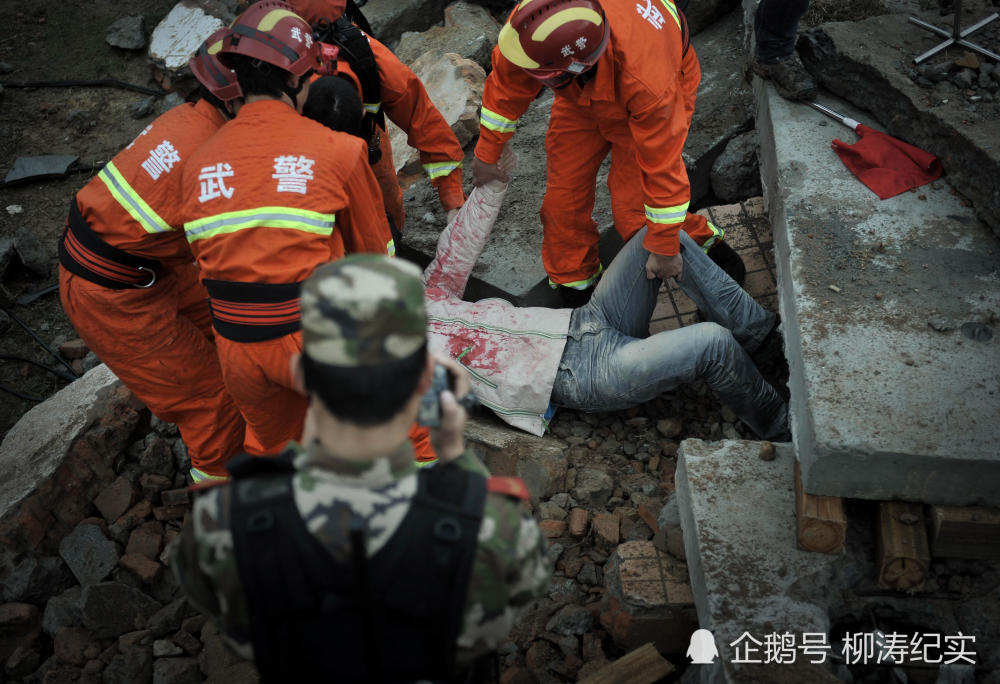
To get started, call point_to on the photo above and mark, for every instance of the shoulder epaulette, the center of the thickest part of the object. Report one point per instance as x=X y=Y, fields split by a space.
x=508 y=486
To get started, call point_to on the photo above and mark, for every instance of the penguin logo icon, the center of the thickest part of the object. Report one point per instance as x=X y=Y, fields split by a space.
x=702 y=650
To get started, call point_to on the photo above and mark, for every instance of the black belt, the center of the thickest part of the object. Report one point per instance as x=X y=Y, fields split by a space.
x=254 y=312
x=84 y=253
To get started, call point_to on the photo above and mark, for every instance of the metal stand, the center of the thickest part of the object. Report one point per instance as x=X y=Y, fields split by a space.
x=957 y=35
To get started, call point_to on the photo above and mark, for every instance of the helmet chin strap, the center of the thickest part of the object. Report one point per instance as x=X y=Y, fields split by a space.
x=293 y=92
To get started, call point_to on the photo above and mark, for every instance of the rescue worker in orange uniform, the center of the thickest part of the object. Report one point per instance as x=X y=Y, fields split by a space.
x=625 y=79
x=268 y=199
x=128 y=282
x=335 y=102
x=390 y=88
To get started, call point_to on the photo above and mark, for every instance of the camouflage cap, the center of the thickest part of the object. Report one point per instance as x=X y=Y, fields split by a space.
x=363 y=310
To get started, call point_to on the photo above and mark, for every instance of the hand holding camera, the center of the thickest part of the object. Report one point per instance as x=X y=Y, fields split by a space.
x=444 y=407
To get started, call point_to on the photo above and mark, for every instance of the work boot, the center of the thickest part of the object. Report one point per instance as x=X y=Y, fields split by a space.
x=573 y=298
x=788 y=75
x=726 y=258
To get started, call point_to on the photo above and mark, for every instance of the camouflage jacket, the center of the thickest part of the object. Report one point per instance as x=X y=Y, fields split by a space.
x=509 y=569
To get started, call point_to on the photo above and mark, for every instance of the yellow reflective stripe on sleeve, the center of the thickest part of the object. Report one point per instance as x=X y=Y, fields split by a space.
x=717 y=234
x=672 y=9
x=372 y=108
x=439 y=169
x=390 y=248
x=495 y=122
x=261 y=217
x=130 y=200
x=667 y=214
x=580 y=284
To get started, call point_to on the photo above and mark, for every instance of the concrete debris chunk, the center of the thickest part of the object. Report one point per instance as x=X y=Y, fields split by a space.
x=128 y=33
x=89 y=554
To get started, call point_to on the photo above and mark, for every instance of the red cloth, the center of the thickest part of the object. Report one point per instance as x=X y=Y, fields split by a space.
x=886 y=165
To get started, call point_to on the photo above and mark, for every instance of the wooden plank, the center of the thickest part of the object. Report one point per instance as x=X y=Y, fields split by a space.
x=643 y=665
x=965 y=532
x=903 y=556
x=821 y=523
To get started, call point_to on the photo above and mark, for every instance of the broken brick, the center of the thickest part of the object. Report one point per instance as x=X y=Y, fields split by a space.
x=132 y=516
x=146 y=540
x=578 y=518
x=169 y=512
x=73 y=349
x=115 y=499
x=145 y=569
x=175 y=497
x=553 y=528
x=605 y=528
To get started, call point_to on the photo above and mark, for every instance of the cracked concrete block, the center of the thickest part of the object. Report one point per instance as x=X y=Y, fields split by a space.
x=37 y=444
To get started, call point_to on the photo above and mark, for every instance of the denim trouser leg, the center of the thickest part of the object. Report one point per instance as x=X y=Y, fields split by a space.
x=776 y=25
x=605 y=369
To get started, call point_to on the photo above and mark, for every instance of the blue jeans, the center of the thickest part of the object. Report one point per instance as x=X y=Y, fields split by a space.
x=776 y=25
x=611 y=363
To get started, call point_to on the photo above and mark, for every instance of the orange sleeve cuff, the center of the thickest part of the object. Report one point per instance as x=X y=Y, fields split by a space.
x=663 y=239
x=490 y=145
x=449 y=189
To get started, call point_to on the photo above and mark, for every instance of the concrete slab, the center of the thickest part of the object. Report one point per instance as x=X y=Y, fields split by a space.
x=869 y=63
x=38 y=442
x=747 y=576
x=890 y=398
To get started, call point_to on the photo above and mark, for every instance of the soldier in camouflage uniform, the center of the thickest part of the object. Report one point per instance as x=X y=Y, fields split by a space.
x=364 y=316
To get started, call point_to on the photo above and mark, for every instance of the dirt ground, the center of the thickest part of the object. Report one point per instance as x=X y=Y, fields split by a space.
x=54 y=41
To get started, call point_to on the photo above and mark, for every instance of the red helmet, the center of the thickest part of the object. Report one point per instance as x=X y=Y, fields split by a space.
x=554 y=40
x=271 y=32
x=217 y=78
x=315 y=10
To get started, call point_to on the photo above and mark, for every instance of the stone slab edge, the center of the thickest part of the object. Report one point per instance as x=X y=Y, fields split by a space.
x=36 y=445
x=917 y=432
x=743 y=563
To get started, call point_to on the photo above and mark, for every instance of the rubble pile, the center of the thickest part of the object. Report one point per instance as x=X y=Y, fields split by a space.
x=87 y=595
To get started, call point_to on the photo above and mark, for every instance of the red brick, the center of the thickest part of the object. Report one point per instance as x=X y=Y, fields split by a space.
x=99 y=463
x=170 y=512
x=175 y=497
x=553 y=528
x=578 y=518
x=73 y=349
x=134 y=515
x=631 y=627
x=146 y=540
x=26 y=528
x=605 y=528
x=145 y=569
x=115 y=499
x=152 y=484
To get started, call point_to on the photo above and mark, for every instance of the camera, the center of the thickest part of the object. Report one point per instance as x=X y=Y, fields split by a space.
x=429 y=413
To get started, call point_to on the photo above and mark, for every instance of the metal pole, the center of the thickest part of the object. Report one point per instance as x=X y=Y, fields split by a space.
x=957 y=35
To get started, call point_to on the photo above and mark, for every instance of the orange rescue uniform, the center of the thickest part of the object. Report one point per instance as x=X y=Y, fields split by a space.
x=158 y=340
x=407 y=104
x=636 y=102
x=268 y=199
